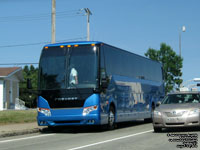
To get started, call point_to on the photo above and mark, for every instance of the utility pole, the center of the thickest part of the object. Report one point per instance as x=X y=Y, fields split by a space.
x=53 y=22
x=88 y=13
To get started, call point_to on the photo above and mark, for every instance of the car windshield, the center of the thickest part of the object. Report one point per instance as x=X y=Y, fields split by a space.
x=68 y=67
x=181 y=98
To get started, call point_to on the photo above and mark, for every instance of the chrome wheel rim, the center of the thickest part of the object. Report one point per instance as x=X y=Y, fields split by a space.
x=111 y=118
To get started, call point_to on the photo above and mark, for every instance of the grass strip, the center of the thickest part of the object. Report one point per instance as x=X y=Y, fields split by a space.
x=17 y=116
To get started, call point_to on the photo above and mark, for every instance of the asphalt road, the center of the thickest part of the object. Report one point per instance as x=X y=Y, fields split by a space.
x=128 y=136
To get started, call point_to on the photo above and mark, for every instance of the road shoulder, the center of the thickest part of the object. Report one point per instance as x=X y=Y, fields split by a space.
x=19 y=129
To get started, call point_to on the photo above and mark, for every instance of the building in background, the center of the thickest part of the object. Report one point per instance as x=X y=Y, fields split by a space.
x=9 y=86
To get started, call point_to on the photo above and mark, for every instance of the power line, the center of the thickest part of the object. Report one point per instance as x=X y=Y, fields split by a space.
x=40 y=43
x=17 y=64
x=35 y=15
x=43 y=16
x=40 y=18
x=18 y=45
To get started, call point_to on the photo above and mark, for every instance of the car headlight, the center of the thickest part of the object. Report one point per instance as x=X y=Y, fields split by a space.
x=194 y=112
x=87 y=110
x=157 y=113
x=44 y=111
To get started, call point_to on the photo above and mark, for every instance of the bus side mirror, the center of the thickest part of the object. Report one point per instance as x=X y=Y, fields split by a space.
x=104 y=83
x=104 y=79
x=29 y=83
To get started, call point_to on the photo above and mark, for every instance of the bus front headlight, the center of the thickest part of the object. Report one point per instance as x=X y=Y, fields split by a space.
x=87 y=110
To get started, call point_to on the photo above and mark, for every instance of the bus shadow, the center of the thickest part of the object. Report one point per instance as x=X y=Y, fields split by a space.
x=132 y=124
x=89 y=129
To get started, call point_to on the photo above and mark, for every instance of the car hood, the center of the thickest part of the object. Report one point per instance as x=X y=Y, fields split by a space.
x=170 y=107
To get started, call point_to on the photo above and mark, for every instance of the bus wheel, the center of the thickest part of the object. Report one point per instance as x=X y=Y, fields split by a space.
x=111 y=118
x=149 y=120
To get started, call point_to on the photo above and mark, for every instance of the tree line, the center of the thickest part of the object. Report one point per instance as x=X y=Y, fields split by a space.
x=29 y=96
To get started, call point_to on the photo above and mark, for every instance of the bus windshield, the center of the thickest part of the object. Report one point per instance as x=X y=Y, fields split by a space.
x=66 y=68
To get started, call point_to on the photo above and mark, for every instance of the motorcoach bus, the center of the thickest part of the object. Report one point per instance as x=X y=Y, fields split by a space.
x=93 y=83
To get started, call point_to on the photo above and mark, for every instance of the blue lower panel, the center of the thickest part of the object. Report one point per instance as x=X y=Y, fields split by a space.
x=64 y=120
x=73 y=116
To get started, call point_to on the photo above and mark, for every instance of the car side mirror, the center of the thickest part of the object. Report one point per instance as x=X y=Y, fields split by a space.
x=158 y=104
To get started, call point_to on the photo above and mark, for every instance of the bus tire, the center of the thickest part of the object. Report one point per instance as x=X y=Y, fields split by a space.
x=152 y=110
x=148 y=120
x=111 y=118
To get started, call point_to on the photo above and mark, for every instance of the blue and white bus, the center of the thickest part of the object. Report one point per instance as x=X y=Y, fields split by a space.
x=93 y=83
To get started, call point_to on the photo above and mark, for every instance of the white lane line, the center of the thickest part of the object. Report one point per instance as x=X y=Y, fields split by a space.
x=25 y=138
x=111 y=140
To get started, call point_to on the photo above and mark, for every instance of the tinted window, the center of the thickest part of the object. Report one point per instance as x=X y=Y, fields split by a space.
x=120 y=62
x=52 y=68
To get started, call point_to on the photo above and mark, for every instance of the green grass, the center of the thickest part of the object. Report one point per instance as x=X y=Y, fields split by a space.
x=17 y=116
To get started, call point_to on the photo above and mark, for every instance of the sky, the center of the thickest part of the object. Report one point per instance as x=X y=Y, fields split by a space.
x=133 y=25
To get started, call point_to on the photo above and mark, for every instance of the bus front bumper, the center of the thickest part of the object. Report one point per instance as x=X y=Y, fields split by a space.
x=65 y=120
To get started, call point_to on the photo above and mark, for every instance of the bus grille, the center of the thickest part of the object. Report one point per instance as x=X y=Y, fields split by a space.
x=66 y=104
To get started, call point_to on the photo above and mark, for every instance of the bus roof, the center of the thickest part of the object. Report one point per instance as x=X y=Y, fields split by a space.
x=93 y=42
x=73 y=43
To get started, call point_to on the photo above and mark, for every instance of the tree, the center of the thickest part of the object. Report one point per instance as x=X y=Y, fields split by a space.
x=172 y=64
x=28 y=95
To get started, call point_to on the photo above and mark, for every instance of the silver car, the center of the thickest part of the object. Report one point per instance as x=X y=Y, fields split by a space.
x=181 y=109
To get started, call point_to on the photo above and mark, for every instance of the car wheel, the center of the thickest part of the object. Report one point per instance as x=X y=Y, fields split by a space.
x=157 y=129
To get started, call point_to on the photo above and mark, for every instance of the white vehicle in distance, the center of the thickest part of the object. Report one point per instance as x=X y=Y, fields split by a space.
x=181 y=109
